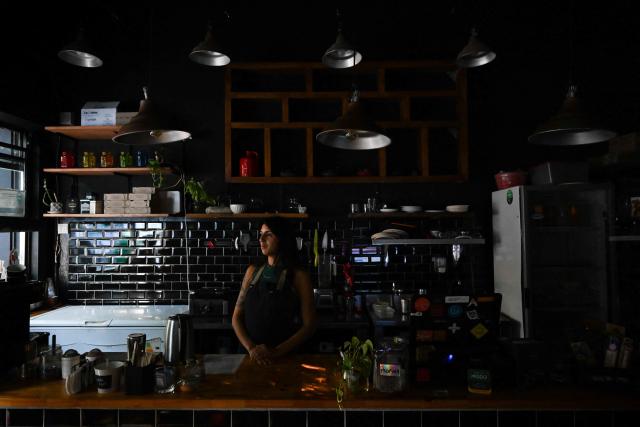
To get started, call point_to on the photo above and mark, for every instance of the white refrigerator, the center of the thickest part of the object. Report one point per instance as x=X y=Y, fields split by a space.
x=550 y=256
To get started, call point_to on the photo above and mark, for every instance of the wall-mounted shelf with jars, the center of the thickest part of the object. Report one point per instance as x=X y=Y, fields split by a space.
x=277 y=109
x=100 y=139
x=104 y=171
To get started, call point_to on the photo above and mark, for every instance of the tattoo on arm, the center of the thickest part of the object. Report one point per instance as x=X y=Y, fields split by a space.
x=241 y=296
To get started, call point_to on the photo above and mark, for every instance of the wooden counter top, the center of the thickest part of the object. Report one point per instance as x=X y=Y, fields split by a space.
x=305 y=382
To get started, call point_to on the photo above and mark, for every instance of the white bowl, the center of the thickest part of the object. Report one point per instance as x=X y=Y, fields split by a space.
x=388 y=210
x=411 y=209
x=236 y=209
x=457 y=208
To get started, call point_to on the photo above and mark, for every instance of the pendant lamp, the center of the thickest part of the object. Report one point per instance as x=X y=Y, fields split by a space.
x=475 y=53
x=353 y=130
x=80 y=53
x=341 y=54
x=570 y=126
x=211 y=50
x=148 y=127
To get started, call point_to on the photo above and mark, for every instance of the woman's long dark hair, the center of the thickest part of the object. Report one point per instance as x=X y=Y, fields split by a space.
x=287 y=251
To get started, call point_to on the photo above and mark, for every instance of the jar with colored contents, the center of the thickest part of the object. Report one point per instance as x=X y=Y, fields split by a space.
x=88 y=159
x=106 y=159
x=67 y=159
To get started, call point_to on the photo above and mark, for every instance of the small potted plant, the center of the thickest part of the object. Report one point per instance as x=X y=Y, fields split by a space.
x=355 y=367
x=156 y=173
x=199 y=197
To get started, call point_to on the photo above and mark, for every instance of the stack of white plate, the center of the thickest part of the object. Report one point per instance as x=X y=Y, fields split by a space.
x=411 y=209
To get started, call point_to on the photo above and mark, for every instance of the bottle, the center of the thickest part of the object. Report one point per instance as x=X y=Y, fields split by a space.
x=125 y=159
x=67 y=159
x=88 y=159
x=478 y=377
x=106 y=159
x=141 y=159
x=333 y=264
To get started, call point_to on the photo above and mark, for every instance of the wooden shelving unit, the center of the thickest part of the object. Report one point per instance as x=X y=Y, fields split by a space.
x=265 y=100
x=64 y=215
x=103 y=171
x=85 y=132
x=247 y=215
x=418 y=215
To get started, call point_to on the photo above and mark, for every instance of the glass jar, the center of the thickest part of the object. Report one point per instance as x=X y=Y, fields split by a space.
x=141 y=159
x=390 y=365
x=67 y=159
x=51 y=362
x=126 y=160
x=88 y=159
x=106 y=159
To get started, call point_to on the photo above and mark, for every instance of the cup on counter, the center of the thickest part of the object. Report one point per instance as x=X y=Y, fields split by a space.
x=108 y=376
x=355 y=207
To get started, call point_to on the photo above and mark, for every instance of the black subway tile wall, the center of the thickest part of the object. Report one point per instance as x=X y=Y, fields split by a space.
x=159 y=261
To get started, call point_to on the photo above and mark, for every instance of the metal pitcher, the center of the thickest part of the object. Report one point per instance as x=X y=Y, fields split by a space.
x=179 y=339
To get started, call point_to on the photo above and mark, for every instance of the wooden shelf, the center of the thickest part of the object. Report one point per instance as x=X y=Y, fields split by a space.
x=406 y=215
x=85 y=132
x=65 y=215
x=383 y=242
x=104 y=171
x=414 y=112
x=341 y=179
x=247 y=215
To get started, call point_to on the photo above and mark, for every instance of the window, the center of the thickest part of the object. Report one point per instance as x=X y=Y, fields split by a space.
x=13 y=155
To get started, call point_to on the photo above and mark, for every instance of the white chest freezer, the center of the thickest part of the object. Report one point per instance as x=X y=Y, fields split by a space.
x=105 y=326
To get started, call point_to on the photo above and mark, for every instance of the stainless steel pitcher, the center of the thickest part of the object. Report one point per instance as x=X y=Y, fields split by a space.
x=178 y=339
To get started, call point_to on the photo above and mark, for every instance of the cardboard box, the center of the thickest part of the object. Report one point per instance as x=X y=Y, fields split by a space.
x=96 y=207
x=114 y=203
x=143 y=190
x=99 y=113
x=137 y=210
x=137 y=203
x=115 y=196
x=139 y=196
x=108 y=210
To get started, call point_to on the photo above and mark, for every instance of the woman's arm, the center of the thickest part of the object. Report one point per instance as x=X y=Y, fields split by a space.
x=302 y=284
x=237 y=321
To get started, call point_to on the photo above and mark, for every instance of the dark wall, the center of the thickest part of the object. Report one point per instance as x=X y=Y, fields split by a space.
x=541 y=46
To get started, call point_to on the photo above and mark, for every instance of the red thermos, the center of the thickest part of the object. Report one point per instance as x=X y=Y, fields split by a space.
x=249 y=164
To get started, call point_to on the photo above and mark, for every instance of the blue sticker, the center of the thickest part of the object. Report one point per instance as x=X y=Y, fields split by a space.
x=455 y=310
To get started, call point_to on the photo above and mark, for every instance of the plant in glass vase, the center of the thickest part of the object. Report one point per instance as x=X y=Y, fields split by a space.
x=199 y=197
x=355 y=367
x=155 y=169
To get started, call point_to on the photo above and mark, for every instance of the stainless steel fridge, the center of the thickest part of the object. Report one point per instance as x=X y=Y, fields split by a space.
x=550 y=256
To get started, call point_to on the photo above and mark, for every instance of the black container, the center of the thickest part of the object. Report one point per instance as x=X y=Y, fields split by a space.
x=139 y=380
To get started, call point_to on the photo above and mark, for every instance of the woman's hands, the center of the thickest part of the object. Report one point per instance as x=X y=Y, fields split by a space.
x=262 y=355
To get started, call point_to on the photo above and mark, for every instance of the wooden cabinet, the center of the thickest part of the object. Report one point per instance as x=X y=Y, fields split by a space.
x=277 y=109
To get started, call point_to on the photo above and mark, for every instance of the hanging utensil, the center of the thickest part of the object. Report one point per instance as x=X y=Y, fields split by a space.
x=299 y=242
x=244 y=240
x=315 y=248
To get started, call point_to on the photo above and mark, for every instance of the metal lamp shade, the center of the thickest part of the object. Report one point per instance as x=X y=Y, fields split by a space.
x=571 y=126
x=353 y=131
x=80 y=53
x=341 y=54
x=146 y=128
x=209 y=52
x=475 y=53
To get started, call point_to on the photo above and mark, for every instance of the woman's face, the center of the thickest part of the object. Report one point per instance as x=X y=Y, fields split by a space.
x=268 y=241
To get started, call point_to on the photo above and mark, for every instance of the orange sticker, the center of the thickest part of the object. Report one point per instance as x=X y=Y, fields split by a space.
x=422 y=304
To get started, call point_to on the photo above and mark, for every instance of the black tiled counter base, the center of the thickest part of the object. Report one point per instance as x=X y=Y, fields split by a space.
x=138 y=262
x=320 y=418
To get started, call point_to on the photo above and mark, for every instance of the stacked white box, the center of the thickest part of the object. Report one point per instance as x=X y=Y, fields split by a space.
x=143 y=190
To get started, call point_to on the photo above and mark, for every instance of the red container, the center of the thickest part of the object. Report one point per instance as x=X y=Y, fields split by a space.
x=67 y=159
x=249 y=164
x=510 y=179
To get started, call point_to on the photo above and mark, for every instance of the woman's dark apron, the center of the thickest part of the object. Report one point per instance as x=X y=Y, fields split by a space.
x=271 y=307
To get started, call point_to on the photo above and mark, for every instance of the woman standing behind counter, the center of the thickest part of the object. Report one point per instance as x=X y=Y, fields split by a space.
x=275 y=311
